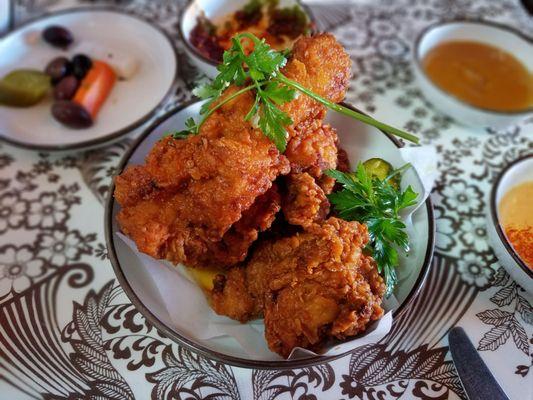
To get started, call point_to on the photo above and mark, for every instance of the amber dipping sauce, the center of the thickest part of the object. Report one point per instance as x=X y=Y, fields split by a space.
x=516 y=217
x=481 y=75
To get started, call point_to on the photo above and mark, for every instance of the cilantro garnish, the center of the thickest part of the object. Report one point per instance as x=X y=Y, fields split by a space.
x=377 y=203
x=260 y=71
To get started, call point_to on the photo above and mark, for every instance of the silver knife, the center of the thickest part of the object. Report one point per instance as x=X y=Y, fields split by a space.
x=478 y=383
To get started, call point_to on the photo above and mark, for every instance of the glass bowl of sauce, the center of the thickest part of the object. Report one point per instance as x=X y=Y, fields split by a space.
x=480 y=73
x=207 y=26
x=510 y=220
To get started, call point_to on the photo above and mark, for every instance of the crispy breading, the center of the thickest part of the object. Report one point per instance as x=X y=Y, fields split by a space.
x=304 y=202
x=180 y=218
x=182 y=203
x=311 y=286
x=313 y=150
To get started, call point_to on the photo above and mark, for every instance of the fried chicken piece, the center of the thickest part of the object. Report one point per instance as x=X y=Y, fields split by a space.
x=231 y=296
x=183 y=202
x=182 y=220
x=343 y=161
x=235 y=243
x=304 y=202
x=314 y=150
x=310 y=287
x=321 y=64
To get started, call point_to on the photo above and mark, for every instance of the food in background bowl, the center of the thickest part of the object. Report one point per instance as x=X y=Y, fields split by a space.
x=510 y=220
x=484 y=76
x=478 y=72
x=279 y=26
x=516 y=217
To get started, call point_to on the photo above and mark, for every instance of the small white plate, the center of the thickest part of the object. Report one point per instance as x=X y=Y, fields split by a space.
x=361 y=142
x=130 y=103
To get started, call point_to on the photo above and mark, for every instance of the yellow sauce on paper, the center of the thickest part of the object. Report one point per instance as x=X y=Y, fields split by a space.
x=204 y=277
x=481 y=75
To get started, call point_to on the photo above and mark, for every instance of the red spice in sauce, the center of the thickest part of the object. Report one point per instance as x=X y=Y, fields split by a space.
x=203 y=37
x=522 y=241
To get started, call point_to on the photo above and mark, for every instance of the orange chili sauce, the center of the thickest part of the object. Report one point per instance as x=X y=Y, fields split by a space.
x=481 y=75
x=516 y=216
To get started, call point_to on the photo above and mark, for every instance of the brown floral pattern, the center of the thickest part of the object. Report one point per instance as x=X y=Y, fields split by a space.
x=91 y=343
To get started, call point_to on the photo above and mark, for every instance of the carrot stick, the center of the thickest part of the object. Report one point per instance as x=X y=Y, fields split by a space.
x=95 y=87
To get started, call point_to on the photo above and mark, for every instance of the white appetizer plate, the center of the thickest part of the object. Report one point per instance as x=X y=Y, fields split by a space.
x=519 y=171
x=214 y=9
x=361 y=142
x=131 y=102
x=490 y=33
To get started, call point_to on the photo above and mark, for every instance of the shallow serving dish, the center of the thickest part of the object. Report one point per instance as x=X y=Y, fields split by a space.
x=215 y=9
x=130 y=104
x=504 y=37
x=361 y=142
x=519 y=171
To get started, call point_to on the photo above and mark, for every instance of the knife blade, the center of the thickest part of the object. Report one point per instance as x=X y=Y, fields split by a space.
x=478 y=382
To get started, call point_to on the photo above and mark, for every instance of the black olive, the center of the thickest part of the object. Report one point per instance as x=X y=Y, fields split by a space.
x=58 y=68
x=66 y=88
x=81 y=64
x=58 y=36
x=71 y=114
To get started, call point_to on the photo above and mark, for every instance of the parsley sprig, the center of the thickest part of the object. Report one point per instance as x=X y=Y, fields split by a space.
x=260 y=71
x=377 y=203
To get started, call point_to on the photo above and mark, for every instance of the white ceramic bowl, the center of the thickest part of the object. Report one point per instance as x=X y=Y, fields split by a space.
x=360 y=142
x=131 y=102
x=213 y=9
x=519 y=171
x=490 y=33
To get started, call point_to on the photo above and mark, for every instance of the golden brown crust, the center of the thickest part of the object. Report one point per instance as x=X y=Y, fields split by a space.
x=179 y=217
x=304 y=202
x=311 y=286
x=182 y=204
x=204 y=200
x=231 y=297
x=313 y=150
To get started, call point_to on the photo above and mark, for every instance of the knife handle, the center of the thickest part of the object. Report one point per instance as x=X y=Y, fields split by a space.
x=467 y=360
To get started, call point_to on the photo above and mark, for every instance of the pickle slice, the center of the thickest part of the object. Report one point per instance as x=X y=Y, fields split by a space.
x=381 y=169
x=23 y=87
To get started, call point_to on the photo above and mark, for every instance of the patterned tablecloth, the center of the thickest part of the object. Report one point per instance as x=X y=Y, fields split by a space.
x=68 y=331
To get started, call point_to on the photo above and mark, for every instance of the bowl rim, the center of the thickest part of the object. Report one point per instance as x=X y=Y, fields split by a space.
x=493 y=207
x=188 y=45
x=201 y=349
x=118 y=133
x=418 y=62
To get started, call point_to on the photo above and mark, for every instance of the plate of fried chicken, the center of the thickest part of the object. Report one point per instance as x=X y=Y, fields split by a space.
x=261 y=219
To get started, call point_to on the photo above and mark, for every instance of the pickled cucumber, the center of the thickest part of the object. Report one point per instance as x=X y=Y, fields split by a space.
x=23 y=87
x=381 y=169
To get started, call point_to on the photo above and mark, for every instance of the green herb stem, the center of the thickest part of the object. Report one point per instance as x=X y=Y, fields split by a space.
x=346 y=111
x=226 y=100
x=399 y=171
